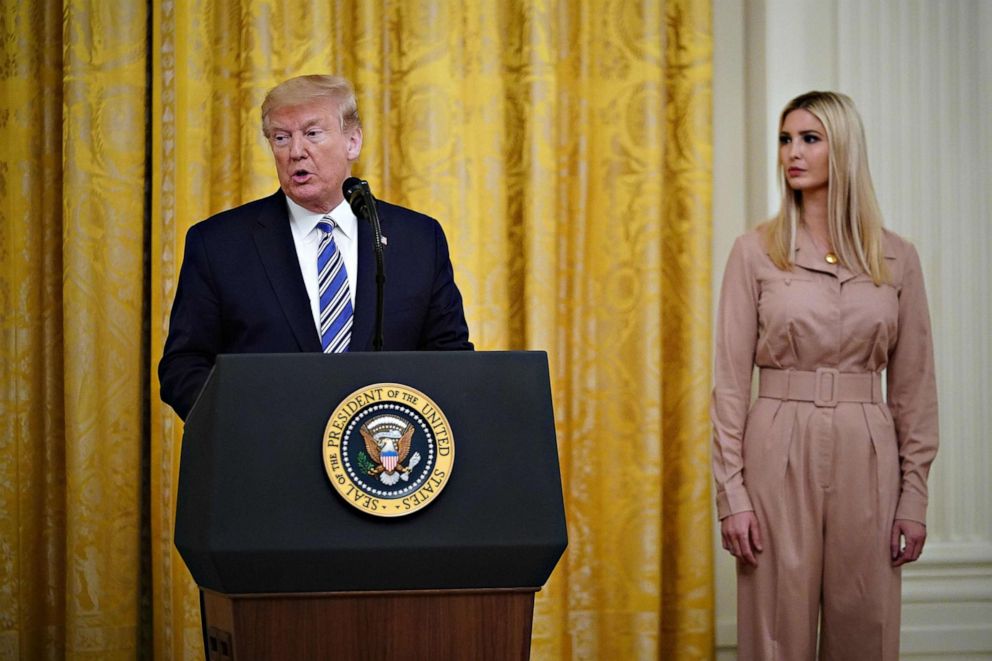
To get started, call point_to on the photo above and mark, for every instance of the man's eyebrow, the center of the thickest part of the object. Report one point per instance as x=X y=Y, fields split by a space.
x=310 y=123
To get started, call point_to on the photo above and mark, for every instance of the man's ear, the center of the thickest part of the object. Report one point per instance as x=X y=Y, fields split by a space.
x=355 y=144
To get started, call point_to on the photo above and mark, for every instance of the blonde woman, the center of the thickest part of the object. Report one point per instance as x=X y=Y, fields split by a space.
x=822 y=482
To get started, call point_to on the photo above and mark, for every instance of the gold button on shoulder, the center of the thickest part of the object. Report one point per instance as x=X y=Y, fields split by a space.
x=830 y=258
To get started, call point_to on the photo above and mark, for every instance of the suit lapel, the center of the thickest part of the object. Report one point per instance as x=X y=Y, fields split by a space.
x=363 y=324
x=274 y=241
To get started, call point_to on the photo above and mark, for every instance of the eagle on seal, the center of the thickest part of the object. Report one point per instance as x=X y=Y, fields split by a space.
x=388 y=440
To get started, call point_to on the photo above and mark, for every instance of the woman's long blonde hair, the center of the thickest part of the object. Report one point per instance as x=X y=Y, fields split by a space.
x=853 y=217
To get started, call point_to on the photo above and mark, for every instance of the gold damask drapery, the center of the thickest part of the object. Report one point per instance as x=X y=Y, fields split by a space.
x=74 y=358
x=565 y=147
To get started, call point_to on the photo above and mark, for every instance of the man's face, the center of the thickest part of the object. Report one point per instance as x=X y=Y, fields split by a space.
x=313 y=156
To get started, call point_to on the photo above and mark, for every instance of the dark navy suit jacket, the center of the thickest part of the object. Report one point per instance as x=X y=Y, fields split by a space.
x=240 y=290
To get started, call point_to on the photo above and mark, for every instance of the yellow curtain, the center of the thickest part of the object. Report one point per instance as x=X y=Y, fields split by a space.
x=72 y=134
x=565 y=147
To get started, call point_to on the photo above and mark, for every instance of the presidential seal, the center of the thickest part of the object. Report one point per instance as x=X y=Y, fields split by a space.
x=388 y=449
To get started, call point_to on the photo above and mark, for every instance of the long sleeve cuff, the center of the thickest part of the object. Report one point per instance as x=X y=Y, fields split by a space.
x=733 y=501
x=912 y=507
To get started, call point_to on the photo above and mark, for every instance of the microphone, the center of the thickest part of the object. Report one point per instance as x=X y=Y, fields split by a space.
x=355 y=191
x=359 y=196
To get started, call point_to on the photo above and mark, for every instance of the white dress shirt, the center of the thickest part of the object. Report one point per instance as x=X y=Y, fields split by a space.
x=306 y=236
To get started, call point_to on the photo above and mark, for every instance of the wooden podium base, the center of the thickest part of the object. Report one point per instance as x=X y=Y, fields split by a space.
x=430 y=625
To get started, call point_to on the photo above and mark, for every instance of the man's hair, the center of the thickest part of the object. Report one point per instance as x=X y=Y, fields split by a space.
x=853 y=217
x=306 y=89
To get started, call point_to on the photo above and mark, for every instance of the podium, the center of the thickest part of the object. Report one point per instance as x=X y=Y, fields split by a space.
x=290 y=569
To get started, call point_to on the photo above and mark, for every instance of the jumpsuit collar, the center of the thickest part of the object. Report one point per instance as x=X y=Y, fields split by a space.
x=810 y=257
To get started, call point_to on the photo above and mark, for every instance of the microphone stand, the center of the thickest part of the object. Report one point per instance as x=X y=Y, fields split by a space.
x=380 y=270
x=360 y=198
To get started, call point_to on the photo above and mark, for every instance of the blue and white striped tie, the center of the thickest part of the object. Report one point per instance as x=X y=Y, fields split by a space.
x=336 y=311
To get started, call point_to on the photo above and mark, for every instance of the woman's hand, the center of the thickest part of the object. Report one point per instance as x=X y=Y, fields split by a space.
x=742 y=536
x=914 y=533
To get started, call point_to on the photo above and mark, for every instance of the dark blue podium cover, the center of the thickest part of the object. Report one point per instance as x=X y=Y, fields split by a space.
x=256 y=512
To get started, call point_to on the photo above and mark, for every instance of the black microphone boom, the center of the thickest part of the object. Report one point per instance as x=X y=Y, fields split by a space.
x=359 y=196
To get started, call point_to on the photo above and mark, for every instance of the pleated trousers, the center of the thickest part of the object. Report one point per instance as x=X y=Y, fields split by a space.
x=824 y=482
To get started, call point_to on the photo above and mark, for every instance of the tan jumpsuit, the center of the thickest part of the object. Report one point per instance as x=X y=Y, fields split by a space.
x=821 y=458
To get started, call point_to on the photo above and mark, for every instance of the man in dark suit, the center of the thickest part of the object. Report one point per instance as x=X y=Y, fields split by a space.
x=249 y=282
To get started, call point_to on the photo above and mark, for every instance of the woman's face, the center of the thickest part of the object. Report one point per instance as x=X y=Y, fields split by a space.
x=804 y=152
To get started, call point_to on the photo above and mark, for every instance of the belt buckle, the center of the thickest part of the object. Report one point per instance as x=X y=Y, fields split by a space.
x=825 y=387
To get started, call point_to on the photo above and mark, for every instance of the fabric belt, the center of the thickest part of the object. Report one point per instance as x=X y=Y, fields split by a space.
x=826 y=387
